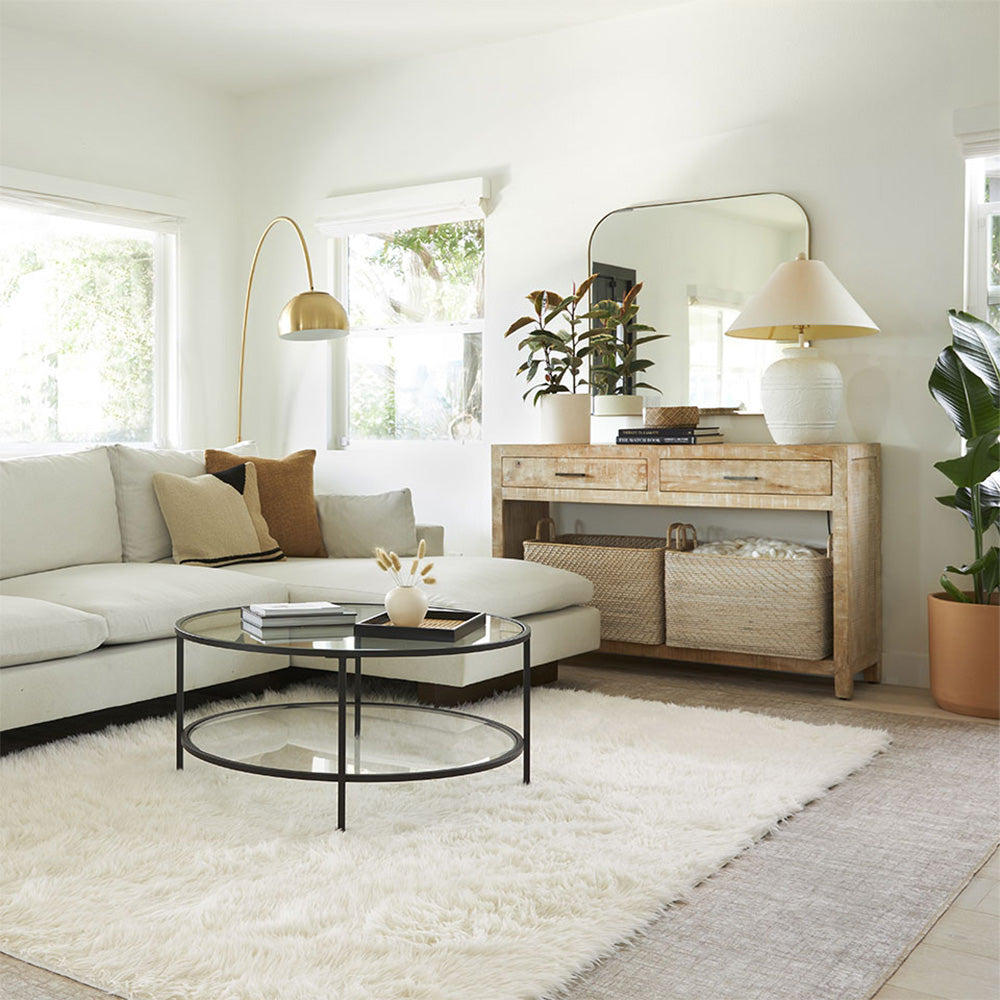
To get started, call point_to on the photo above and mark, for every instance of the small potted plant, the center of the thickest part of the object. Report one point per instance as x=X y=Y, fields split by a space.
x=615 y=360
x=556 y=357
x=964 y=624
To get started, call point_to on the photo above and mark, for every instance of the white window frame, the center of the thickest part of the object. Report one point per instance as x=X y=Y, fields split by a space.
x=979 y=294
x=395 y=208
x=978 y=130
x=156 y=213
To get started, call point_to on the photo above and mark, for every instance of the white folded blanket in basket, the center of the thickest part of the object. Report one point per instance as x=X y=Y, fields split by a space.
x=757 y=548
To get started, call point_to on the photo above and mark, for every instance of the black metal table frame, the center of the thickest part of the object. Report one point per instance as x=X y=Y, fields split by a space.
x=522 y=745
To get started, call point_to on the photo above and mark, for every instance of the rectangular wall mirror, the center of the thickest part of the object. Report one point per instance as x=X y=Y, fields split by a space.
x=700 y=262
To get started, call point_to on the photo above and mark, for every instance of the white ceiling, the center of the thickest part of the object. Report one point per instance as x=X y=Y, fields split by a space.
x=244 y=46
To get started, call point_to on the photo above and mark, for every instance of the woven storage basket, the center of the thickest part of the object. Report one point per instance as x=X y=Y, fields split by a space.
x=778 y=607
x=627 y=574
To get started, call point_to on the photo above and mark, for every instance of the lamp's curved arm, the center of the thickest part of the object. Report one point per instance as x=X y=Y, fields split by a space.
x=246 y=306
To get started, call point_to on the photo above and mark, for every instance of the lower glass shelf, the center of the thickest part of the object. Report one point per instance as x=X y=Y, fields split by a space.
x=383 y=742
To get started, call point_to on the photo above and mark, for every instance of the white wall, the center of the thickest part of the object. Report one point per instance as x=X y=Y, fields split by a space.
x=847 y=107
x=69 y=113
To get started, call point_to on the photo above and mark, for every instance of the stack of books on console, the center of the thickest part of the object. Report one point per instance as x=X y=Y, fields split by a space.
x=302 y=620
x=669 y=435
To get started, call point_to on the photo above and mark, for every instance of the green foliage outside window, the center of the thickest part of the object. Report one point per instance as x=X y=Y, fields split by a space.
x=76 y=322
x=416 y=305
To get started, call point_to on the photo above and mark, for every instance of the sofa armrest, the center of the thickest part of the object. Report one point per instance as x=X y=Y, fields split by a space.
x=433 y=536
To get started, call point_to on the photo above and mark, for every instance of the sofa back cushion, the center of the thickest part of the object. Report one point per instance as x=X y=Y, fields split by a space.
x=145 y=537
x=57 y=510
x=353 y=525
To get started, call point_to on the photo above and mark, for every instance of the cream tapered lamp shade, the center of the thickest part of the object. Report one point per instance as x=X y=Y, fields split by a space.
x=310 y=315
x=801 y=393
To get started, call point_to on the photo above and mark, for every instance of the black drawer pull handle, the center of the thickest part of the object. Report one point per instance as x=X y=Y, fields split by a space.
x=750 y=479
x=573 y=475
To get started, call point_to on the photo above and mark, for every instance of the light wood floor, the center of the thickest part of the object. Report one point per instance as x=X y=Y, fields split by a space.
x=957 y=959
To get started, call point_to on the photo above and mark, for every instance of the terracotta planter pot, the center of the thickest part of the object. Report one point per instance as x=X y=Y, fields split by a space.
x=964 y=642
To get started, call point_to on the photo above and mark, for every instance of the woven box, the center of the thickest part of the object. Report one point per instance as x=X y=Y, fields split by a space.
x=627 y=574
x=777 y=607
x=671 y=416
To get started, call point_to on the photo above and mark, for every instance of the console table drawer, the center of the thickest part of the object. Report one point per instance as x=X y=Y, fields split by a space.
x=713 y=475
x=576 y=474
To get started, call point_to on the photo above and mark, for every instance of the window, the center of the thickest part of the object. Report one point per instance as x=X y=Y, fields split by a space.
x=415 y=299
x=983 y=238
x=81 y=326
x=409 y=264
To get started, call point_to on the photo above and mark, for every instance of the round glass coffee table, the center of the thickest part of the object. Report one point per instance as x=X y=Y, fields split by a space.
x=391 y=742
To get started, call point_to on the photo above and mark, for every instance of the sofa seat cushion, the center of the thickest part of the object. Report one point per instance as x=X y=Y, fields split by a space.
x=142 y=601
x=508 y=587
x=32 y=631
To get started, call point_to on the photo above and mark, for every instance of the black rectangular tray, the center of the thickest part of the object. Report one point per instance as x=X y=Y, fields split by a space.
x=468 y=622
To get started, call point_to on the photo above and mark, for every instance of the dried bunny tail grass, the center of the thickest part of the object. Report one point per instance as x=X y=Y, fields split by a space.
x=413 y=566
x=427 y=569
x=421 y=549
x=429 y=579
x=394 y=559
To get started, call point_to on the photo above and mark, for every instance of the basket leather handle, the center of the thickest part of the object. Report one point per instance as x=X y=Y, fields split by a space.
x=682 y=537
x=550 y=530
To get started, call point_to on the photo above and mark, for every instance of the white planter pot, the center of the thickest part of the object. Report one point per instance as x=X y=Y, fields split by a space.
x=618 y=406
x=565 y=418
x=611 y=413
x=800 y=396
x=406 y=606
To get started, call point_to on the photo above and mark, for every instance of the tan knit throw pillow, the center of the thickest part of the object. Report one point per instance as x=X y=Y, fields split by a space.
x=286 y=498
x=215 y=520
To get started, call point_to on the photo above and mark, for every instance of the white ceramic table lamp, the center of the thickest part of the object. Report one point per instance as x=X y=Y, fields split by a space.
x=801 y=393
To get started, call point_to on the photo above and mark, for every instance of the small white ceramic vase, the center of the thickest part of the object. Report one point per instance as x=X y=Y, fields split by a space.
x=406 y=606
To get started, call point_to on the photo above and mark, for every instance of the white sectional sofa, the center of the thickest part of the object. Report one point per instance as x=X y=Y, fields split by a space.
x=89 y=595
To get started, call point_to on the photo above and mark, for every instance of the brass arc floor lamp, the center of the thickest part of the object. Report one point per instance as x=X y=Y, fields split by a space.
x=309 y=315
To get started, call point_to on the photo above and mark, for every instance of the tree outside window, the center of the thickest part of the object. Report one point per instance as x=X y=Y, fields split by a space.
x=415 y=298
x=77 y=329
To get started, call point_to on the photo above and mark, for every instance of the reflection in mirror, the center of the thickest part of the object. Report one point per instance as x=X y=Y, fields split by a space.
x=700 y=262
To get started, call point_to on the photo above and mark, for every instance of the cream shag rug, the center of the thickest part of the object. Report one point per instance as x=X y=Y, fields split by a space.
x=209 y=884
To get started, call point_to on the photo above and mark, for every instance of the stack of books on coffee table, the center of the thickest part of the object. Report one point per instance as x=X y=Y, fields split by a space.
x=669 y=435
x=301 y=620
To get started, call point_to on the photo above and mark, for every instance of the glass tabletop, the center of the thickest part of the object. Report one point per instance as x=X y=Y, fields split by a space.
x=222 y=628
x=388 y=742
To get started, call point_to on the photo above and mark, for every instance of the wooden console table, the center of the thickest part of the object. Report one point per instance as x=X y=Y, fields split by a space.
x=842 y=479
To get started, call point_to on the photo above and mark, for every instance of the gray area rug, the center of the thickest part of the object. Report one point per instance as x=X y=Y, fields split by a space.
x=825 y=909
x=828 y=908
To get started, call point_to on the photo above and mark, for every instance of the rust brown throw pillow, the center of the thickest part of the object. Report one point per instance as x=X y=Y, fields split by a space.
x=286 y=497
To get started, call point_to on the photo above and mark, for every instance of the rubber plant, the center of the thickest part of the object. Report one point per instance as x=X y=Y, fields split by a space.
x=615 y=361
x=966 y=382
x=553 y=355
